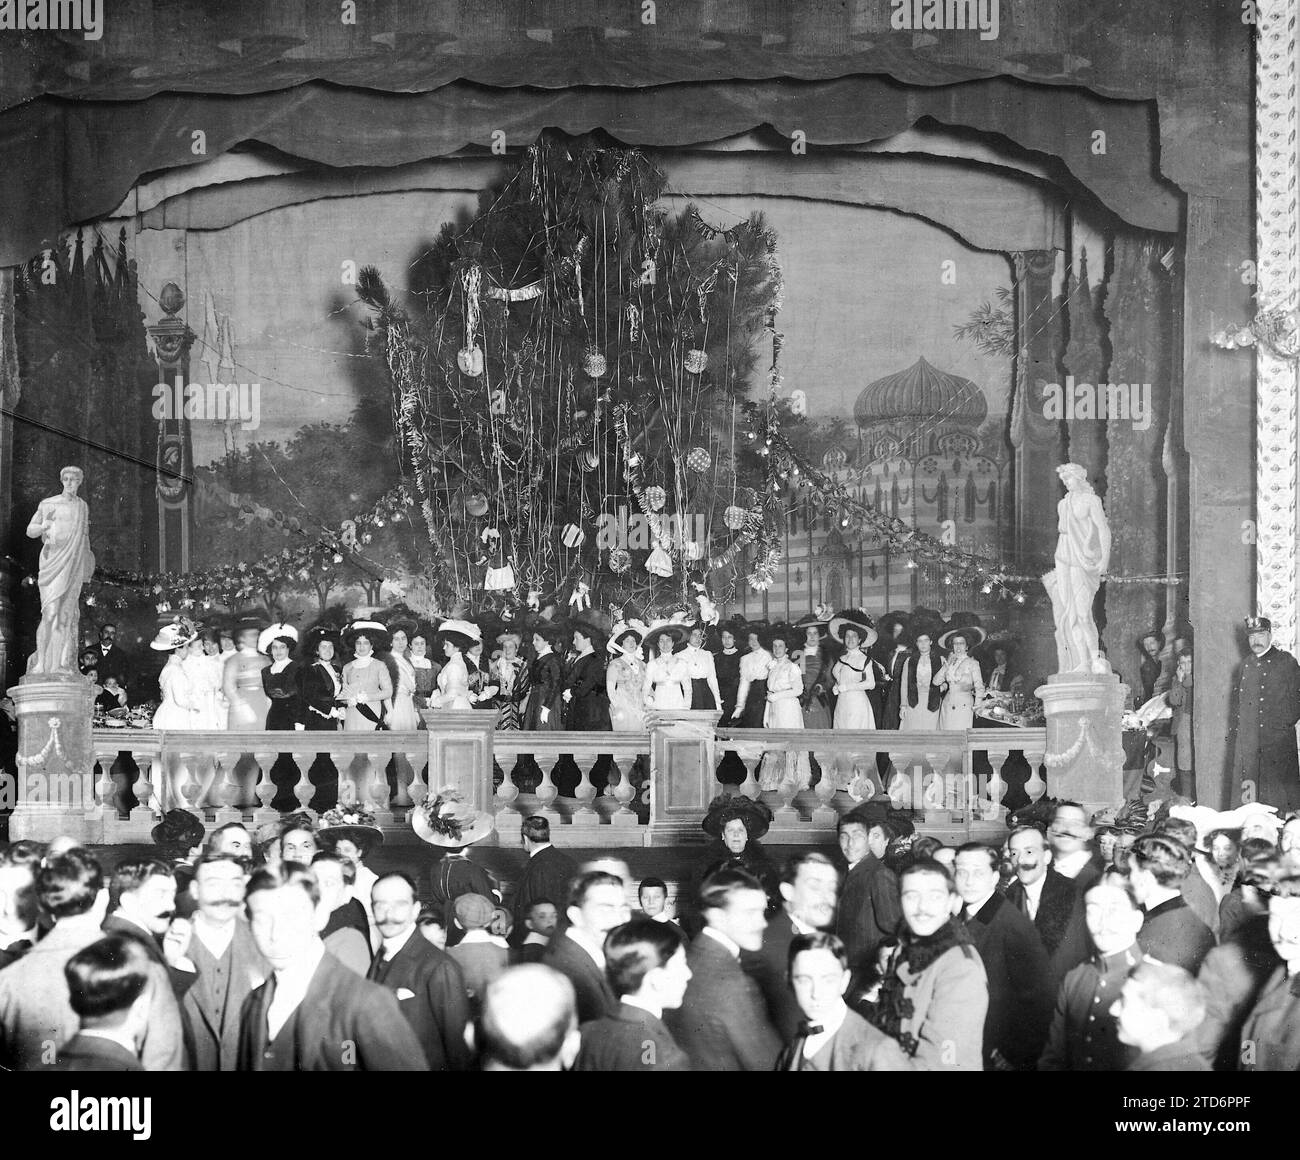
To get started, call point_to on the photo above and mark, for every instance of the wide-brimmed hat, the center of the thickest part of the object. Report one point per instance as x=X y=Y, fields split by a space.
x=447 y=819
x=372 y=630
x=728 y=807
x=812 y=620
x=174 y=636
x=356 y=823
x=268 y=636
x=321 y=632
x=679 y=633
x=404 y=624
x=885 y=625
x=615 y=646
x=854 y=618
x=468 y=632
x=178 y=828
x=975 y=636
x=737 y=626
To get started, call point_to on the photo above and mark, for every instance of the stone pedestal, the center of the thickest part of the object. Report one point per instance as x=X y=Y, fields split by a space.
x=56 y=763
x=1085 y=754
x=460 y=753
x=683 y=760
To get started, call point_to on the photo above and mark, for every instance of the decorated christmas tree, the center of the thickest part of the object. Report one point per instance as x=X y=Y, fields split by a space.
x=572 y=397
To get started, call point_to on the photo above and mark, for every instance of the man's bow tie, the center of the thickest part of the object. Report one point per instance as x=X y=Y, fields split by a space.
x=807 y=1029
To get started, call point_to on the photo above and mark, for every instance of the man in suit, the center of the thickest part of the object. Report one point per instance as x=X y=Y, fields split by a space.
x=18 y=912
x=541 y=920
x=1049 y=900
x=868 y=910
x=1196 y=891
x=1273 y=1025
x=830 y=1037
x=113 y=660
x=36 y=1016
x=646 y=964
x=313 y=1014
x=1084 y=1035
x=549 y=873
x=652 y=897
x=227 y=962
x=1158 y=1011
x=108 y=986
x=597 y=905
x=722 y=1024
x=1070 y=837
x=429 y=985
x=1171 y=932
x=809 y=887
x=1021 y=994
x=529 y=1022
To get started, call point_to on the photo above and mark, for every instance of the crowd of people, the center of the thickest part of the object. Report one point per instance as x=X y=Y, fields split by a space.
x=1082 y=946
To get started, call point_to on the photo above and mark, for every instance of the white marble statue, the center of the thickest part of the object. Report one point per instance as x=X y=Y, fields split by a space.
x=1082 y=557
x=62 y=524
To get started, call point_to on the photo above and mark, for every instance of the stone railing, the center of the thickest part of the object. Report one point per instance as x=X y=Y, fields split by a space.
x=597 y=789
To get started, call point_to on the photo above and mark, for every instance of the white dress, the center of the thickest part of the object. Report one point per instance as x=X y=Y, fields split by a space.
x=667 y=683
x=965 y=688
x=403 y=718
x=205 y=673
x=625 y=683
x=784 y=688
x=854 y=675
x=919 y=717
x=177 y=710
x=453 y=686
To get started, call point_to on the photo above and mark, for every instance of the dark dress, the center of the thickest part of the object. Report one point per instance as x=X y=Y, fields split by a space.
x=753 y=860
x=728 y=670
x=317 y=701
x=1148 y=673
x=544 y=691
x=286 y=712
x=588 y=708
x=426 y=680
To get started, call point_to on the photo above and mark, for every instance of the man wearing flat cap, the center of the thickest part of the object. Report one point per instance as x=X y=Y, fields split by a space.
x=1268 y=706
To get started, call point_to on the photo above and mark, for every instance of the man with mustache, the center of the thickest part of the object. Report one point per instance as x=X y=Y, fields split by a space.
x=227 y=961
x=1268 y=706
x=1048 y=899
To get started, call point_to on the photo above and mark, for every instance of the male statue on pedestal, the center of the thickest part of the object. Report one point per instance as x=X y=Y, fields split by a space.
x=1082 y=557
x=62 y=523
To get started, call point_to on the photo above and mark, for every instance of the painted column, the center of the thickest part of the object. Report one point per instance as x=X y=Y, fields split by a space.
x=172 y=340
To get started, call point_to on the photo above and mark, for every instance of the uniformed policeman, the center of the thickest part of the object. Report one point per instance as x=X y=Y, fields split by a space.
x=1268 y=706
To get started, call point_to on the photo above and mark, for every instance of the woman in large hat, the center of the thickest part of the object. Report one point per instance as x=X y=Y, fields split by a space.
x=625 y=681
x=751 y=697
x=453 y=640
x=919 y=695
x=203 y=667
x=367 y=685
x=402 y=718
x=784 y=689
x=445 y=819
x=281 y=678
x=241 y=680
x=179 y=701
x=736 y=824
x=667 y=678
x=853 y=673
x=426 y=666
x=585 y=695
x=814 y=667
x=509 y=673
x=323 y=707
x=960 y=679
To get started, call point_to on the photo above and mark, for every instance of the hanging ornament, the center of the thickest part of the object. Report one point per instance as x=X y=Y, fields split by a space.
x=580 y=599
x=477 y=504
x=470 y=360
x=734 y=517
x=633 y=322
x=620 y=560
x=659 y=563
x=698 y=459
x=573 y=536
x=588 y=460
x=655 y=498
x=593 y=362
x=696 y=361
x=499 y=579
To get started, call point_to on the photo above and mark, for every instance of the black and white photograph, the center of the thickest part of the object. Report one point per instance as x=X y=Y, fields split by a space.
x=742 y=482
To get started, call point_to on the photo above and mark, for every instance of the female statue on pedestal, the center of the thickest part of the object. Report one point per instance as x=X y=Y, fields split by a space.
x=1082 y=557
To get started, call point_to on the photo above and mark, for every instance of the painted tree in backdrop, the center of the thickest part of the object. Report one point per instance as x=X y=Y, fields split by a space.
x=572 y=393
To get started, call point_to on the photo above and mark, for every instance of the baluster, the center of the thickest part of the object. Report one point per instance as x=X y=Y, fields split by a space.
x=417 y=791
x=992 y=808
x=935 y=790
x=507 y=792
x=265 y=790
x=622 y=791
x=346 y=763
x=904 y=787
x=751 y=758
x=303 y=789
x=187 y=785
x=404 y=772
x=825 y=813
x=205 y=778
x=105 y=802
x=585 y=793
x=144 y=812
x=378 y=787
x=786 y=814
x=227 y=789
x=546 y=790
x=1035 y=787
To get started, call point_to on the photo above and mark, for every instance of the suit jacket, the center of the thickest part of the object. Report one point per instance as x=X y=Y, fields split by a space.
x=1021 y=995
x=548 y=874
x=769 y=968
x=545 y=685
x=949 y=1001
x=856 y=1046
x=449 y=878
x=1200 y=897
x=34 y=1007
x=595 y=996
x=1084 y=1034
x=480 y=964
x=1059 y=922
x=215 y=1000
x=1273 y=1027
x=589 y=706
x=1234 y=975
x=437 y=1008
x=114 y=663
x=869 y=910
x=91 y=1053
x=342 y=1024
x=169 y=1041
x=629 y=1039
x=318 y=696
x=1173 y=934
x=722 y=1024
